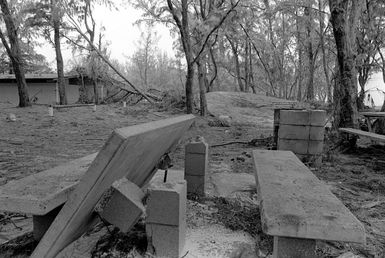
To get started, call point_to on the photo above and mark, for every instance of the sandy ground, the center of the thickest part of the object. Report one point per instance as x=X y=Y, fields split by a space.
x=36 y=142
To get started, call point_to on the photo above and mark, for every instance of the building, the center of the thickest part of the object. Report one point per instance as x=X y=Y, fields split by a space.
x=43 y=89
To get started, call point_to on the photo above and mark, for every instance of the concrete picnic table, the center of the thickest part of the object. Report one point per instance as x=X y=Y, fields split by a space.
x=372 y=115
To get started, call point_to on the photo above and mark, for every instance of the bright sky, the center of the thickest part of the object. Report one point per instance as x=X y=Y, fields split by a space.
x=120 y=32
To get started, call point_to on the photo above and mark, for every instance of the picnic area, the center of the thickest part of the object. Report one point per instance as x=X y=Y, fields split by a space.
x=37 y=142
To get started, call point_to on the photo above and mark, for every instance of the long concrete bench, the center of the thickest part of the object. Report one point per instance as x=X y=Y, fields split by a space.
x=370 y=135
x=43 y=194
x=297 y=208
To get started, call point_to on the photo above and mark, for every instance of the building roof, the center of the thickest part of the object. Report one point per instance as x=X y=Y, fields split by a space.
x=30 y=77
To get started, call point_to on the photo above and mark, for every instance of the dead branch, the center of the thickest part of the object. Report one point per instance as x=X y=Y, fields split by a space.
x=105 y=59
x=253 y=142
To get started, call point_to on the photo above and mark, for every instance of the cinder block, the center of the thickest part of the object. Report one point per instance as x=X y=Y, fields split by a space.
x=294 y=132
x=196 y=164
x=296 y=146
x=294 y=117
x=166 y=203
x=317 y=133
x=125 y=206
x=317 y=117
x=41 y=223
x=285 y=247
x=315 y=147
x=197 y=147
x=196 y=185
x=167 y=241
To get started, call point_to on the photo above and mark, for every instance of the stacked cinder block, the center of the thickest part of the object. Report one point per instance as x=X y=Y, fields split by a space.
x=166 y=218
x=302 y=132
x=196 y=165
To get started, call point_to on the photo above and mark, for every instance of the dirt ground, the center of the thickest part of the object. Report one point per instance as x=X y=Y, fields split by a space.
x=35 y=142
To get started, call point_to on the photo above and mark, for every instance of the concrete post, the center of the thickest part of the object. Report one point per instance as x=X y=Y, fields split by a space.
x=166 y=218
x=41 y=223
x=285 y=247
x=196 y=166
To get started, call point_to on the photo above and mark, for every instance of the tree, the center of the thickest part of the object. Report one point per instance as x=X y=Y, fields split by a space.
x=344 y=18
x=14 y=53
x=47 y=17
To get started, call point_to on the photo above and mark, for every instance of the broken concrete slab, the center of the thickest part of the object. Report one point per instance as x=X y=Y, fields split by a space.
x=128 y=152
x=124 y=207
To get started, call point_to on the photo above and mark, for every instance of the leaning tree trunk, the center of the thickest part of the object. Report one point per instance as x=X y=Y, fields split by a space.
x=14 y=54
x=344 y=15
x=59 y=57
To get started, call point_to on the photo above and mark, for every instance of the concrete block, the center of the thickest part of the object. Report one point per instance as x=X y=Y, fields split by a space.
x=196 y=164
x=296 y=146
x=315 y=147
x=125 y=206
x=317 y=117
x=197 y=147
x=301 y=146
x=166 y=203
x=165 y=240
x=285 y=247
x=196 y=185
x=294 y=117
x=294 y=132
x=317 y=133
x=41 y=223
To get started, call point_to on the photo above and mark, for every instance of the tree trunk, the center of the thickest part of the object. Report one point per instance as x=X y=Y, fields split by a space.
x=96 y=92
x=299 y=50
x=14 y=54
x=246 y=65
x=189 y=87
x=322 y=44
x=344 y=15
x=237 y=65
x=202 y=88
x=309 y=51
x=59 y=57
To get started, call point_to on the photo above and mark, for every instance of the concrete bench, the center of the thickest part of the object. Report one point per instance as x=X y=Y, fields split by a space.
x=297 y=208
x=370 y=135
x=43 y=194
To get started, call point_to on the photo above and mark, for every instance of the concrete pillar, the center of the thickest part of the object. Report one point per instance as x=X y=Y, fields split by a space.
x=285 y=247
x=302 y=131
x=41 y=223
x=196 y=166
x=124 y=207
x=166 y=218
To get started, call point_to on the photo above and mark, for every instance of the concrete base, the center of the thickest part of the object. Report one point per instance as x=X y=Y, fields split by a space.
x=41 y=223
x=196 y=185
x=166 y=218
x=285 y=247
x=166 y=240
